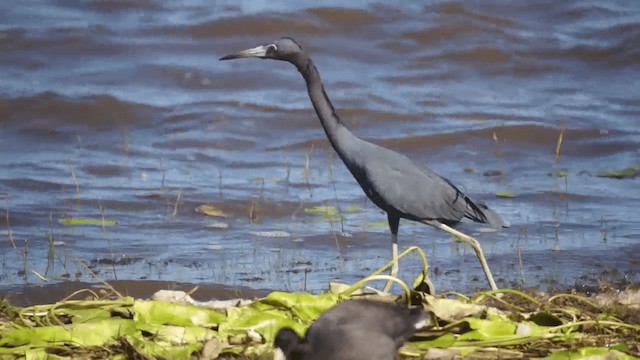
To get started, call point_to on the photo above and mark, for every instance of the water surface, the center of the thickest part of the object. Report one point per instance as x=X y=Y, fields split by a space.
x=119 y=110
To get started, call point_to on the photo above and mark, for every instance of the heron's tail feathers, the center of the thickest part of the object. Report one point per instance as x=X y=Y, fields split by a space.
x=480 y=212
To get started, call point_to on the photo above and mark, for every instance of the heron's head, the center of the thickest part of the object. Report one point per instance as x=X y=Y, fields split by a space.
x=284 y=48
x=286 y=341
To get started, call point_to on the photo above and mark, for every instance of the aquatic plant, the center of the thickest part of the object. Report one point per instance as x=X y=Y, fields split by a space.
x=504 y=323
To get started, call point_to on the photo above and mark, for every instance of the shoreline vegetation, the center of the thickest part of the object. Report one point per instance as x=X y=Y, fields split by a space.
x=505 y=324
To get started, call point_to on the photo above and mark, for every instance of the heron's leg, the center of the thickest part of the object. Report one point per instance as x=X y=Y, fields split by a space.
x=394 y=224
x=474 y=244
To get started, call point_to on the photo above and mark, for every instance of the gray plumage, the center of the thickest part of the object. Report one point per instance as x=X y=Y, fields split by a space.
x=354 y=330
x=391 y=180
x=402 y=189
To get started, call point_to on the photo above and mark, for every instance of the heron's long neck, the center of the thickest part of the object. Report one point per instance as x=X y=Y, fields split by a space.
x=337 y=133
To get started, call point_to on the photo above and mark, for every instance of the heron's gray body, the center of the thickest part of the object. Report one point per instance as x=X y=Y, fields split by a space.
x=398 y=186
x=391 y=180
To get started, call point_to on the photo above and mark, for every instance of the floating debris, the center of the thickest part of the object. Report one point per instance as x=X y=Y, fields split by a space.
x=352 y=208
x=626 y=173
x=321 y=210
x=506 y=194
x=271 y=234
x=559 y=173
x=210 y=210
x=486 y=229
x=493 y=173
x=116 y=260
x=80 y=222
x=160 y=193
x=217 y=225
x=274 y=180
x=375 y=224
x=329 y=213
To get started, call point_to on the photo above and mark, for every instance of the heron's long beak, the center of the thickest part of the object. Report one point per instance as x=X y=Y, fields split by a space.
x=259 y=52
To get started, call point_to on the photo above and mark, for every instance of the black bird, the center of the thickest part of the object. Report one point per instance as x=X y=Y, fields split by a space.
x=353 y=330
x=391 y=180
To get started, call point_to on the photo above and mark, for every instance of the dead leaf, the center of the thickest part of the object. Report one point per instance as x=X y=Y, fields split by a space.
x=210 y=210
x=211 y=349
x=452 y=310
x=441 y=354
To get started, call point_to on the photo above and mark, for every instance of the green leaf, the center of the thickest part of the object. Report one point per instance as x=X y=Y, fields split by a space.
x=559 y=173
x=452 y=310
x=321 y=210
x=629 y=172
x=304 y=306
x=589 y=352
x=177 y=335
x=153 y=349
x=332 y=218
x=165 y=313
x=41 y=353
x=86 y=315
x=530 y=328
x=77 y=222
x=96 y=333
x=493 y=327
x=352 y=208
x=506 y=194
x=329 y=213
x=274 y=180
x=443 y=341
x=266 y=323
x=375 y=224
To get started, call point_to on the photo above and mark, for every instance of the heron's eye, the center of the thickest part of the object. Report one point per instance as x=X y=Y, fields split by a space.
x=272 y=49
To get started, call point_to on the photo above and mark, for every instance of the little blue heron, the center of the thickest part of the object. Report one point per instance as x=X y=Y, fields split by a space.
x=353 y=330
x=391 y=180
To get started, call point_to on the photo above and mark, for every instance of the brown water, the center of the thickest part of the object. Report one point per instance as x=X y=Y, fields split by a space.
x=120 y=110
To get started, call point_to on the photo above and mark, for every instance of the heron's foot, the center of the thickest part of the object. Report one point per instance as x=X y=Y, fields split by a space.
x=476 y=247
x=387 y=286
x=394 y=273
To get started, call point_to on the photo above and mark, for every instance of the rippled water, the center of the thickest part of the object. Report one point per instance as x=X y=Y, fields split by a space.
x=120 y=110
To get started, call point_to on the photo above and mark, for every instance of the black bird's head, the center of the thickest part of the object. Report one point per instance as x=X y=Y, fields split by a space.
x=286 y=341
x=285 y=49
